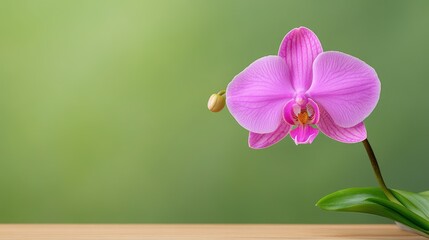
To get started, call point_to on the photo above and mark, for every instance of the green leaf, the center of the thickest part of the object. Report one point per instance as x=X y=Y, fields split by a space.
x=416 y=202
x=373 y=201
x=425 y=194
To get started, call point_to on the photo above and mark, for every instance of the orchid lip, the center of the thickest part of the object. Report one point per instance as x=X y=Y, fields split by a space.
x=298 y=114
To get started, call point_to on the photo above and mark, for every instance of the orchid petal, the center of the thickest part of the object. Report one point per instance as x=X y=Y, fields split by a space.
x=346 y=87
x=299 y=48
x=256 y=96
x=259 y=141
x=346 y=135
x=313 y=110
x=290 y=110
x=304 y=134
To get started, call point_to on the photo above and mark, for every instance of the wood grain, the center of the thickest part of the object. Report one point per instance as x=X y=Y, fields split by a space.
x=200 y=231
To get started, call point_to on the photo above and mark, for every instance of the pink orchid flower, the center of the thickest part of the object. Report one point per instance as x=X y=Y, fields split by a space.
x=301 y=91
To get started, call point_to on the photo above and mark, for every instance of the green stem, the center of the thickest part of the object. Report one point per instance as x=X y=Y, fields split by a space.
x=377 y=172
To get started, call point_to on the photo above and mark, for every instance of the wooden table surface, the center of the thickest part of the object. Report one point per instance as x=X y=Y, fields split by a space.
x=200 y=231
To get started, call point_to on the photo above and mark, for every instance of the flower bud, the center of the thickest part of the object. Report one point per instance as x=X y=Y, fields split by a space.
x=216 y=102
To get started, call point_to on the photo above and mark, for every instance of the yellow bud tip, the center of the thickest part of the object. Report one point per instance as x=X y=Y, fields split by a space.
x=216 y=102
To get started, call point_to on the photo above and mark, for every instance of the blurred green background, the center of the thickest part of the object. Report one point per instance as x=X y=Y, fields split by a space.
x=104 y=117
